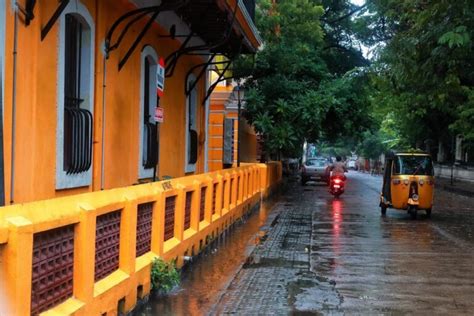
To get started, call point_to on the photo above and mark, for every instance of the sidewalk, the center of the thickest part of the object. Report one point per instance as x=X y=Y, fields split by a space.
x=459 y=187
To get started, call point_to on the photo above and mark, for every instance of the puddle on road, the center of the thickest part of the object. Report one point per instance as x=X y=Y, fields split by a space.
x=313 y=295
x=204 y=281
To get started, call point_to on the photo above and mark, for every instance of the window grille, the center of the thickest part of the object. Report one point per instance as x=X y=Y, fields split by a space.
x=192 y=150
x=77 y=121
x=150 y=130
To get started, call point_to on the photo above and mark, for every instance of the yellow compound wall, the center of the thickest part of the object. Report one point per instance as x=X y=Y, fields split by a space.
x=230 y=194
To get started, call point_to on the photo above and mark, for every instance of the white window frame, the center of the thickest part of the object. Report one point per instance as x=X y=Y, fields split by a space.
x=3 y=22
x=191 y=98
x=150 y=53
x=64 y=180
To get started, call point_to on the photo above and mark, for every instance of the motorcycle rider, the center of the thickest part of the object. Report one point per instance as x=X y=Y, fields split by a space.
x=337 y=169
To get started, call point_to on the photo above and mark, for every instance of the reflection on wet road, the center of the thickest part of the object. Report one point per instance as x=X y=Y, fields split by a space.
x=394 y=264
x=319 y=255
x=204 y=281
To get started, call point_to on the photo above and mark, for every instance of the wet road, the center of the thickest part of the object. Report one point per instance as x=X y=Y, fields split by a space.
x=326 y=256
x=317 y=255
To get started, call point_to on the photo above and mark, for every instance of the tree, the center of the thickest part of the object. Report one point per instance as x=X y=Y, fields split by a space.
x=424 y=70
x=302 y=85
x=372 y=146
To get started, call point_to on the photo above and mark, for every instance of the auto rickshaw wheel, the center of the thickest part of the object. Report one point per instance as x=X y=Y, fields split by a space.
x=428 y=212
x=383 y=209
x=413 y=211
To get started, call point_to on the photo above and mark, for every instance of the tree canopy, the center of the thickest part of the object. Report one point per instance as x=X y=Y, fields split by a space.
x=304 y=84
x=310 y=81
x=423 y=73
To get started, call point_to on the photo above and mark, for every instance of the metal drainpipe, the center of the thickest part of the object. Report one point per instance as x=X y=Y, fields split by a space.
x=2 y=153
x=102 y=163
x=206 y=126
x=239 y=113
x=15 y=46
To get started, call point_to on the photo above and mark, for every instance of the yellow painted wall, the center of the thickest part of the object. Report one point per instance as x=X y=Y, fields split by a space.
x=216 y=136
x=35 y=144
x=218 y=113
x=19 y=224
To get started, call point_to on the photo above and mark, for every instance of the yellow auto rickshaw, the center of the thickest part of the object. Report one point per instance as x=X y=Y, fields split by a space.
x=408 y=183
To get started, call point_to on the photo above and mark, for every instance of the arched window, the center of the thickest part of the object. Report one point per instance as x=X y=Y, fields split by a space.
x=75 y=97
x=191 y=127
x=148 y=156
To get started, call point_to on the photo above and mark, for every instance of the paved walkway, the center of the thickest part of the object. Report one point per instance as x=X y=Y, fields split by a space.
x=457 y=186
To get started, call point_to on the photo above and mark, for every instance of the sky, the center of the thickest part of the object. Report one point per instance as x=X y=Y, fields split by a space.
x=358 y=2
x=365 y=50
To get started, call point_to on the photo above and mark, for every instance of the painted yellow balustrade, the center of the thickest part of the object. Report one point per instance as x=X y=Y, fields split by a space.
x=91 y=254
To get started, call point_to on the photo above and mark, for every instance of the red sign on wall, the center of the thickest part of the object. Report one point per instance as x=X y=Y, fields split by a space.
x=159 y=115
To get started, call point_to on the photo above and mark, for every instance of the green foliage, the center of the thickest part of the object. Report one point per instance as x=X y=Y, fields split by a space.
x=372 y=146
x=423 y=75
x=339 y=148
x=457 y=38
x=311 y=82
x=304 y=84
x=164 y=275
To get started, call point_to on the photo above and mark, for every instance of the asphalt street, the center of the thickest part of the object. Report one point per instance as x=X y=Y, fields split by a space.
x=340 y=256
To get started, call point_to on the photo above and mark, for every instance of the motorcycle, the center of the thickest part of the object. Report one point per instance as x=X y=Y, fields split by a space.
x=336 y=185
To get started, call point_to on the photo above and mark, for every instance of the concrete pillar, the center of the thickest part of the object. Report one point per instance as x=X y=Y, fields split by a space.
x=17 y=268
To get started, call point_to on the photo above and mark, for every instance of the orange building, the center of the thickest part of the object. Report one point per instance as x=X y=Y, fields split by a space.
x=229 y=144
x=79 y=81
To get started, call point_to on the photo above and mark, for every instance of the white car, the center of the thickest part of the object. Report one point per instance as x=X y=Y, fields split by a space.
x=351 y=164
x=314 y=169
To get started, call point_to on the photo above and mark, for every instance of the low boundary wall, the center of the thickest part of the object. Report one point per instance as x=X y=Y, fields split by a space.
x=91 y=254
x=458 y=172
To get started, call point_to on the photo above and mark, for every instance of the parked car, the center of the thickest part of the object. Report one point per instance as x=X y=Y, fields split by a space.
x=351 y=164
x=314 y=169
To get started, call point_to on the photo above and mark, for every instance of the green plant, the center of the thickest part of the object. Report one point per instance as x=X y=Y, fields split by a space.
x=164 y=275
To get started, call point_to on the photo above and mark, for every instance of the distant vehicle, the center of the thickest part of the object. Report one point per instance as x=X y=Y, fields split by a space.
x=314 y=169
x=351 y=164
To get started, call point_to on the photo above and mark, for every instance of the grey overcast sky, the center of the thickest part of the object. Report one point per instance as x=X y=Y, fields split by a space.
x=358 y=2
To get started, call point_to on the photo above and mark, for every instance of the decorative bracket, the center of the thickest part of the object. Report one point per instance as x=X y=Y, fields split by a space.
x=137 y=15
x=172 y=60
x=219 y=80
x=45 y=30
x=187 y=90
x=221 y=76
x=204 y=66
x=28 y=10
